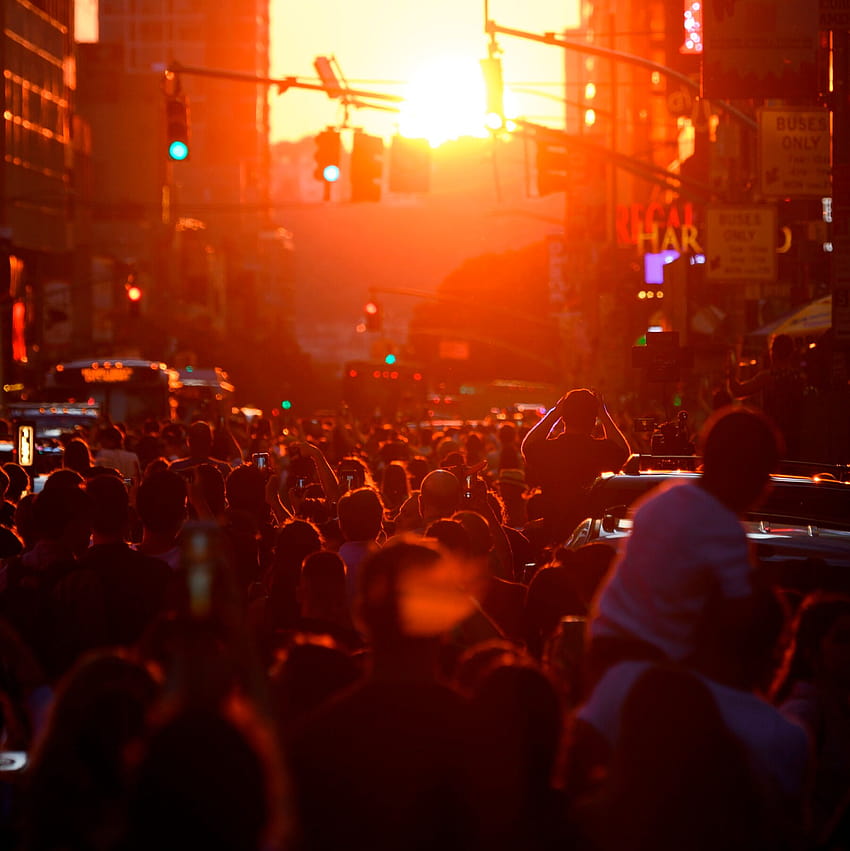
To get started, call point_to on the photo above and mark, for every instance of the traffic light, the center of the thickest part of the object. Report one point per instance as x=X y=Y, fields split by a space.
x=134 y=298
x=491 y=68
x=552 y=165
x=410 y=165
x=367 y=167
x=328 y=149
x=177 y=127
x=372 y=312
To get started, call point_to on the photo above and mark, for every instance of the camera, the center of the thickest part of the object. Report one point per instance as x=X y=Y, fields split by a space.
x=670 y=438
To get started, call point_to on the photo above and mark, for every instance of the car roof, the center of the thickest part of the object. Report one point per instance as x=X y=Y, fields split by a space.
x=807 y=500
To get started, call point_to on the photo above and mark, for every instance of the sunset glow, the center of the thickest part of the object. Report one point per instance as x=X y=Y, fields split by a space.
x=445 y=100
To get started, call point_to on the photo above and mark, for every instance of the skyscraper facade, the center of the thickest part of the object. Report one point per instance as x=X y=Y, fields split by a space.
x=225 y=180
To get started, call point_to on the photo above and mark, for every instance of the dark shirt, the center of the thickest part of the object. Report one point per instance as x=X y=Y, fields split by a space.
x=565 y=468
x=122 y=589
x=383 y=766
x=186 y=465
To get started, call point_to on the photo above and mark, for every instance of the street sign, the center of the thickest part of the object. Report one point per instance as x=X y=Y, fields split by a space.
x=740 y=243
x=794 y=152
x=759 y=49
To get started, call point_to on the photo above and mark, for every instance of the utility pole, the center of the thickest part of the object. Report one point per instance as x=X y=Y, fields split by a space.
x=838 y=413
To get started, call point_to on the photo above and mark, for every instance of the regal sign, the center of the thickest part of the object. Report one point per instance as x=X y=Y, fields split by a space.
x=655 y=227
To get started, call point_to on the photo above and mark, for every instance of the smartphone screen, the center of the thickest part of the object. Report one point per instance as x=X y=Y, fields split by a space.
x=260 y=460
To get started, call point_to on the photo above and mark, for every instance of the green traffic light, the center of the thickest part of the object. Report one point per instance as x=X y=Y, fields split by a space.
x=178 y=150
x=390 y=359
x=286 y=404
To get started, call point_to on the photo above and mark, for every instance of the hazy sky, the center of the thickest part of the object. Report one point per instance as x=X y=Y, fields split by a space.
x=381 y=45
x=392 y=40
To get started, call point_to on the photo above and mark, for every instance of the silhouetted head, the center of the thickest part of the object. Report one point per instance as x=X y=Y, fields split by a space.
x=440 y=495
x=110 y=504
x=246 y=490
x=199 y=438
x=781 y=349
x=579 y=409
x=19 y=480
x=360 y=513
x=77 y=456
x=740 y=449
x=408 y=592
x=110 y=437
x=161 y=502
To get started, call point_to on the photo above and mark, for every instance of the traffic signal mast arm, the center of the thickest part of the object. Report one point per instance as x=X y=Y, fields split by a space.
x=492 y=29
x=283 y=84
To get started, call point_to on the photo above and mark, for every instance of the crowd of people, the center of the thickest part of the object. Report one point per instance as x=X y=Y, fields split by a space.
x=330 y=637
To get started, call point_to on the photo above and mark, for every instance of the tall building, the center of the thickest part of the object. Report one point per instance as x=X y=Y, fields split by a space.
x=36 y=180
x=225 y=181
x=227 y=289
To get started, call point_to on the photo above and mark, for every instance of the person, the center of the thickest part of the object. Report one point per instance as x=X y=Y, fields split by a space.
x=325 y=608
x=512 y=489
x=515 y=735
x=20 y=482
x=200 y=439
x=395 y=488
x=813 y=687
x=115 y=591
x=209 y=778
x=678 y=777
x=77 y=771
x=564 y=458
x=687 y=544
x=28 y=582
x=360 y=514
x=77 y=456
x=274 y=607
x=113 y=454
x=781 y=388
x=388 y=757
x=736 y=662
x=150 y=445
x=161 y=503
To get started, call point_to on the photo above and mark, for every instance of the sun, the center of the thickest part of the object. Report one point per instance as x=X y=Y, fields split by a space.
x=445 y=100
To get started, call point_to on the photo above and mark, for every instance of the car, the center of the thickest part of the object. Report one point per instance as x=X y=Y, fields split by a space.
x=800 y=533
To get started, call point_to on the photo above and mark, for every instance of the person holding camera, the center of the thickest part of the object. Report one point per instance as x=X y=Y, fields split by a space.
x=563 y=457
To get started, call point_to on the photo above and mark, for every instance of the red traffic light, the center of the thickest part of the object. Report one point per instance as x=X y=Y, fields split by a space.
x=371 y=308
x=134 y=293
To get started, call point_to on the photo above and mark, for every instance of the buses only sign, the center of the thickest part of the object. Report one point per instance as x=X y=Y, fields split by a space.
x=794 y=152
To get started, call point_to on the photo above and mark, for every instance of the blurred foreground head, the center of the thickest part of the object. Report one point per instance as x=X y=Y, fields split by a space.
x=410 y=590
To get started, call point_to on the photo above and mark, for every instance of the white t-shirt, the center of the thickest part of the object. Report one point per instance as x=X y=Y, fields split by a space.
x=126 y=462
x=684 y=545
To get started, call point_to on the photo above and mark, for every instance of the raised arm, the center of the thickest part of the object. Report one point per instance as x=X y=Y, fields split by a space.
x=610 y=428
x=541 y=430
x=327 y=477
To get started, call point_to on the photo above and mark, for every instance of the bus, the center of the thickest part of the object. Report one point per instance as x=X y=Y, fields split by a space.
x=123 y=389
x=202 y=393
